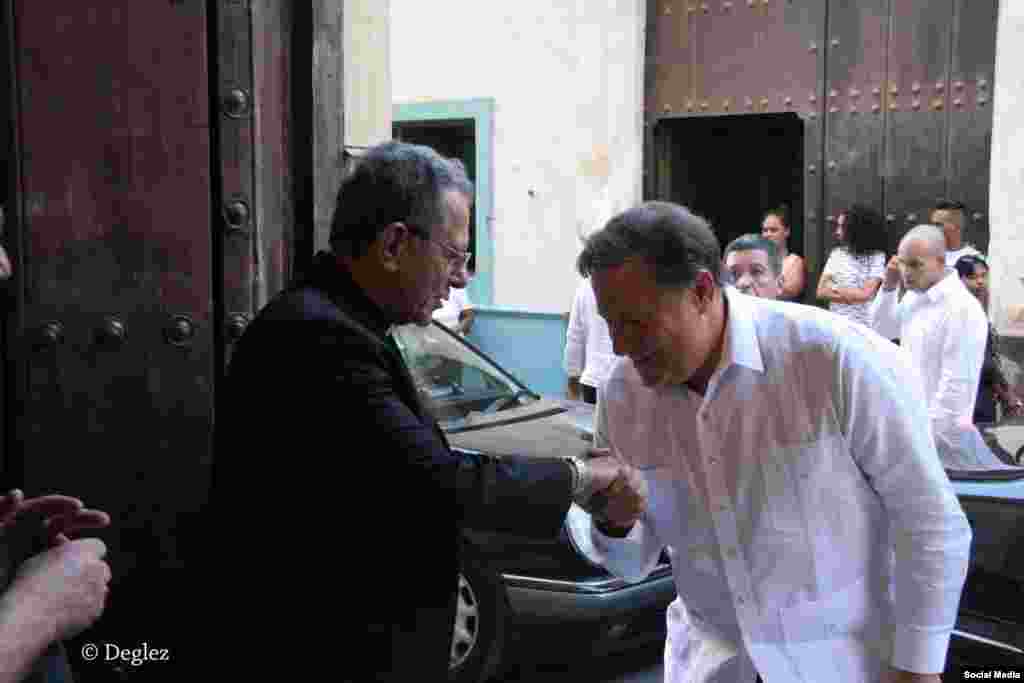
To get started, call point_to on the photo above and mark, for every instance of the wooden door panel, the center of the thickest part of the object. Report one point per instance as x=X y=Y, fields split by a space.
x=116 y=182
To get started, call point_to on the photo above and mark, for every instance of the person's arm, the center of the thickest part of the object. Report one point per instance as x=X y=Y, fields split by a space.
x=886 y=307
x=858 y=295
x=573 y=389
x=882 y=412
x=826 y=283
x=55 y=595
x=963 y=353
x=575 y=347
x=466 y=318
x=5 y=264
x=794 y=277
x=629 y=552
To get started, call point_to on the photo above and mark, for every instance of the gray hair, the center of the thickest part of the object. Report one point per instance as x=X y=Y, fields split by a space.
x=754 y=242
x=931 y=235
x=394 y=182
x=676 y=243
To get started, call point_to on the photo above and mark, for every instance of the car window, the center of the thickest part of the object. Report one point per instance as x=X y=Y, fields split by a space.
x=455 y=378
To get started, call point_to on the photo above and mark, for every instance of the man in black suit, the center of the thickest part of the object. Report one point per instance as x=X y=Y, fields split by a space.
x=320 y=409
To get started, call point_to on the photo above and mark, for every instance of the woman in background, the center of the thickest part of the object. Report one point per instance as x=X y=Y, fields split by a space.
x=775 y=227
x=856 y=266
x=993 y=387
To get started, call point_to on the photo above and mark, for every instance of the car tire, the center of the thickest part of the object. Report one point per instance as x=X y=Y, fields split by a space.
x=478 y=638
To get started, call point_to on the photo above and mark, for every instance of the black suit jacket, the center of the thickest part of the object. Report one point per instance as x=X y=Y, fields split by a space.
x=336 y=494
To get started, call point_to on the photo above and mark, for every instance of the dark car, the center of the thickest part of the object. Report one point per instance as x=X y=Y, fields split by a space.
x=513 y=586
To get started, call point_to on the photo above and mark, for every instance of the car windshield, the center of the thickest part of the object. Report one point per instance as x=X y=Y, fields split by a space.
x=455 y=378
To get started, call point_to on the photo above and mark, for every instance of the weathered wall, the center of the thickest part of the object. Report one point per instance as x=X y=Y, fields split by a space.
x=367 y=58
x=566 y=79
x=1007 y=189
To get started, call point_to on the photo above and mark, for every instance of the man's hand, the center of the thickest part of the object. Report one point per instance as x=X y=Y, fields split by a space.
x=572 y=389
x=61 y=591
x=55 y=516
x=622 y=502
x=892 y=675
x=893 y=275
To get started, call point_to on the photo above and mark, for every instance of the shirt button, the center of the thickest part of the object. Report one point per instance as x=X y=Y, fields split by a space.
x=713 y=461
x=739 y=600
x=731 y=553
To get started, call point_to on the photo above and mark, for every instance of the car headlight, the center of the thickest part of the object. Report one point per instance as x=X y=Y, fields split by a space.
x=577 y=527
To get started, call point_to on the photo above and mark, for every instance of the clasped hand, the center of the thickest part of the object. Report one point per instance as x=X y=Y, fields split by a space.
x=618 y=491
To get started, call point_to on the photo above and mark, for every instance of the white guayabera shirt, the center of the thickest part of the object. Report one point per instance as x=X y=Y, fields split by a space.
x=814 y=534
x=944 y=331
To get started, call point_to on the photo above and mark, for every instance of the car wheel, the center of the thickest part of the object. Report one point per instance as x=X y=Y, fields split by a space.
x=479 y=635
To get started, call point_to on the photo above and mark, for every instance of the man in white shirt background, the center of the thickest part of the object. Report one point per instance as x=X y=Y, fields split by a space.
x=944 y=329
x=813 y=532
x=950 y=216
x=456 y=312
x=588 y=356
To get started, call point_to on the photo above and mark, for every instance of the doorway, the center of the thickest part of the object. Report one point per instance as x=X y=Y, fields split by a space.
x=732 y=169
x=451 y=138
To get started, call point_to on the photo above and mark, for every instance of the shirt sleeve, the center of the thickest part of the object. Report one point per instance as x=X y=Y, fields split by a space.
x=963 y=353
x=885 y=313
x=830 y=264
x=883 y=409
x=576 y=338
x=634 y=557
x=877 y=269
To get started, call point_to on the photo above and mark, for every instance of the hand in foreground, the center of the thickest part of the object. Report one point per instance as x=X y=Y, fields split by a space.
x=62 y=590
x=620 y=502
x=892 y=675
x=55 y=516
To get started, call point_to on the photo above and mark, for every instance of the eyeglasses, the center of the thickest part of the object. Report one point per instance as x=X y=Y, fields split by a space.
x=457 y=259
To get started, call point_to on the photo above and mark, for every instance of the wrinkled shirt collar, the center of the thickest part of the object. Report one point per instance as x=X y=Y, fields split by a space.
x=740 y=346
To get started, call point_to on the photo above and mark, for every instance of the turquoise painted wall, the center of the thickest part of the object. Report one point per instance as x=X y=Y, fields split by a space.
x=529 y=345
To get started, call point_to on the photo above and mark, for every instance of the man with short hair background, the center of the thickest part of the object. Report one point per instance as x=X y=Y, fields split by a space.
x=944 y=329
x=752 y=265
x=784 y=456
x=950 y=216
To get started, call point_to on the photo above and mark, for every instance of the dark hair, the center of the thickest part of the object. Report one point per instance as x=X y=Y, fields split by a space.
x=754 y=242
x=394 y=182
x=949 y=205
x=966 y=265
x=781 y=211
x=676 y=243
x=864 y=231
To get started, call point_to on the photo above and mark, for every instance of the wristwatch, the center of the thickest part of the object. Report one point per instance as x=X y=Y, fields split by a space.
x=580 y=476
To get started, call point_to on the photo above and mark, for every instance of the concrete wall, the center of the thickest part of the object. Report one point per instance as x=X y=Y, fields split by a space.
x=1006 y=248
x=566 y=77
x=367 y=78
x=1007 y=188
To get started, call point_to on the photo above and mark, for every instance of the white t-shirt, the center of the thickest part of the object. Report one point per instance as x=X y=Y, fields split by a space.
x=953 y=256
x=448 y=314
x=589 y=352
x=849 y=270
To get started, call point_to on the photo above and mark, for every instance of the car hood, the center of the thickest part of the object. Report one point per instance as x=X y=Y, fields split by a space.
x=545 y=428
